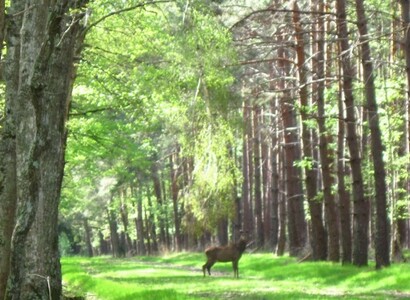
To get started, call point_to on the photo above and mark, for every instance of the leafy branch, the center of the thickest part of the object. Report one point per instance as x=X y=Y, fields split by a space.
x=120 y=11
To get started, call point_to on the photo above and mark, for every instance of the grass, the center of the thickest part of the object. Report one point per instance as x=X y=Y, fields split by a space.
x=262 y=276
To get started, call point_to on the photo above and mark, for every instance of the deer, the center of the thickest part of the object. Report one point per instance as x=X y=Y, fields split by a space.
x=232 y=252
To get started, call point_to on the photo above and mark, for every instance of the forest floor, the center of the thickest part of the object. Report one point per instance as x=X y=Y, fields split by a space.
x=262 y=276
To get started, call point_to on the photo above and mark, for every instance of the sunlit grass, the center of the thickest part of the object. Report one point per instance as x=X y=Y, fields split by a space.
x=262 y=276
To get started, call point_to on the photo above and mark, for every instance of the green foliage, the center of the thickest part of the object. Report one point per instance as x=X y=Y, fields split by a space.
x=304 y=163
x=262 y=276
x=151 y=80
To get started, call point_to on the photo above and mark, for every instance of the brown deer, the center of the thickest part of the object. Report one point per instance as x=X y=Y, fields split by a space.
x=232 y=252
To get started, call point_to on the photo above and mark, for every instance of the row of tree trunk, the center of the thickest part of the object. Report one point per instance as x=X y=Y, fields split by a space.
x=287 y=154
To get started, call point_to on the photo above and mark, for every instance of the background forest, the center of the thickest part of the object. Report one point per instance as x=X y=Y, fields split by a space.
x=193 y=120
x=196 y=120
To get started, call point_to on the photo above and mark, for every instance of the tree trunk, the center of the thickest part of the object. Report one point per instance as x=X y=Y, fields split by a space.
x=42 y=91
x=266 y=160
x=275 y=181
x=405 y=12
x=161 y=211
x=152 y=226
x=114 y=237
x=104 y=246
x=344 y=198
x=139 y=224
x=246 y=185
x=360 y=205
x=382 y=224
x=326 y=160
x=222 y=231
x=294 y=191
x=87 y=230
x=280 y=250
x=174 y=194
x=257 y=176
x=318 y=236
x=8 y=176
x=7 y=203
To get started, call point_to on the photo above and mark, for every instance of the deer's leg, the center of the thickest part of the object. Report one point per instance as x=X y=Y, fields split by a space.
x=235 y=269
x=208 y=266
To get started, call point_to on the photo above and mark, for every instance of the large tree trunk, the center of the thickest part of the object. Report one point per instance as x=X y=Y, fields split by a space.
x=280 y=250
x=246 y=171
x=318 y=236
x=88 y=233
x=326 y=160
x=274 y=181
x=8 y=190
x=382 y=224
x=175 y=173
x=160 y=203
x=139 y=223
x=266 y=159
x=152 y=231
x=257 y=176
x=360 y=205
x=42 y=91
x=124 y=219
x=344 y=198
x=297 y=228
x=114 y=236
x=405 y=12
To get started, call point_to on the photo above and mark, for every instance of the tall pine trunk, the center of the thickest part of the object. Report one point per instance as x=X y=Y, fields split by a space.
x=257 y=176
x=405 y=12
x=344 y=197
x=326 y=160
x=297 y=228
x=318 y=236
x=382 y=224
x=360 y=205
x=246 y=172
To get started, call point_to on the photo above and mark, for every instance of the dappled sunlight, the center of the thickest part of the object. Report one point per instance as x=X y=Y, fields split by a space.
x=262 y=276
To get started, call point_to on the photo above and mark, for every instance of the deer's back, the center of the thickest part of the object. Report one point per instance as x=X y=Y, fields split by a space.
x=223 y=254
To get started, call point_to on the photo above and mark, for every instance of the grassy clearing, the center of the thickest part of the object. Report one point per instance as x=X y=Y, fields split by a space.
x=262 y=276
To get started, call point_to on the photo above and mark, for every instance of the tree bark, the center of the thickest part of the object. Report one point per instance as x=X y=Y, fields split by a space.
x=360 y=205
x=382 y=223
x=174 y=194
x=326 y=160
x=246 y=185
x=87 y=230
x=344 y=198
x=48 y=46
x=160 y=202
x=8 y=178
x=294 y=191
x=280 y=250
x=114 y=236
x=257 y=176
x=266 y=161
x=405 y=12
x=139 y=222
x=275 y=180
x=318 y=236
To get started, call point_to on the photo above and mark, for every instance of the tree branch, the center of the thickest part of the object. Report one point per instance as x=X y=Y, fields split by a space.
x=273 y=10
x=117 y=12
x=88 y=112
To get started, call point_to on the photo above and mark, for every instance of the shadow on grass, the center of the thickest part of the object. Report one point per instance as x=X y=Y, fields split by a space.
x=262 y=277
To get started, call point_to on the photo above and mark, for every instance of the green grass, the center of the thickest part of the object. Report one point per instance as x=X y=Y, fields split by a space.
x=262 y=276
